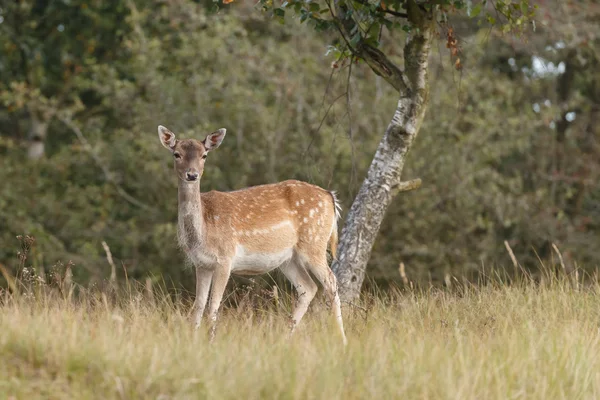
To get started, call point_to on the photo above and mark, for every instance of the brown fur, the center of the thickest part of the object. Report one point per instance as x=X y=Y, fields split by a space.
x=249 y=215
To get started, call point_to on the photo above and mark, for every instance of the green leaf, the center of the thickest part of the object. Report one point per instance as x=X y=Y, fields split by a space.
x=314 y=7
x=372 y=41
x=280 y=12
x=357 y=6
x=323 y=25
x=355 y=39
x=334 y=51
x=374 y=30
x=475 y=11
x=303 y=16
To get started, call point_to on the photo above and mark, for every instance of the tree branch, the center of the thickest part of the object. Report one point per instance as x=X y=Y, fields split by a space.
x=416 y=51
x=406 y=186
x=394 y=13
x=376 y=59
x=339 y=24
x=383 y=66
x=384 y=10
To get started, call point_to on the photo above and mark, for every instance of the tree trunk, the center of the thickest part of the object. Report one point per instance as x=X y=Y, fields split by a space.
x=383 y=179
x=37 y=135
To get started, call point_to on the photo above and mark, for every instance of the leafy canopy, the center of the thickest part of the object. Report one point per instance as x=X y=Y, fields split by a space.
x=361 y=23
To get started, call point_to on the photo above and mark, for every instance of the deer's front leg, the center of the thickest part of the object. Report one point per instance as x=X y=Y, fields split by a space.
x=219 y=282
x=203 y=279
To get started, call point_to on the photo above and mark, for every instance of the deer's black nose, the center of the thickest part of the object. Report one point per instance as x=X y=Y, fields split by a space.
x=191 y=176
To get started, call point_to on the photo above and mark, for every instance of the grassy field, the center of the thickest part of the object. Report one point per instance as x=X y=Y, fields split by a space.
x=520 y=341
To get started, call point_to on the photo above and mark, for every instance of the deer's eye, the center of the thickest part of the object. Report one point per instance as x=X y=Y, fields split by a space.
x=204 y=156
x=177 y=155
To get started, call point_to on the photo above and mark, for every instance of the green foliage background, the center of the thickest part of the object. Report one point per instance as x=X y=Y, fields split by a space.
x=500 y=155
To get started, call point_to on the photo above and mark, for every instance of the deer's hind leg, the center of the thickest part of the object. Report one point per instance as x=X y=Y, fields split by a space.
x=317 y=265
x=305 y=287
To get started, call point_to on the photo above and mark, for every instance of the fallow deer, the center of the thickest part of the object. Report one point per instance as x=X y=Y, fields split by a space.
x=285 y=225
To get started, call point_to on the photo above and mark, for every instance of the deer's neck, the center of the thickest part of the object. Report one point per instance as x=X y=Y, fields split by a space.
x=190 y=216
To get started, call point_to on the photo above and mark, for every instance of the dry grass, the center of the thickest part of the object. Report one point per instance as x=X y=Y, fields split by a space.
x=491 y=342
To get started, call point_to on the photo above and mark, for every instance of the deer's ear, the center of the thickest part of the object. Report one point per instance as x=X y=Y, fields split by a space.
x=213 y=140
x=167 y=138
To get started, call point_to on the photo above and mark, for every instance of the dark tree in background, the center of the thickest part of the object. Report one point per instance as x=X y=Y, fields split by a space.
x=53 y=55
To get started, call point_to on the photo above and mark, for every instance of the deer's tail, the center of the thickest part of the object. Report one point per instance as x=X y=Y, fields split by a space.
x=333 y=239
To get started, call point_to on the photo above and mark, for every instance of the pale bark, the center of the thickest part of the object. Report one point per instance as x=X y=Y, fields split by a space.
x=383 y=179
x=38 y=131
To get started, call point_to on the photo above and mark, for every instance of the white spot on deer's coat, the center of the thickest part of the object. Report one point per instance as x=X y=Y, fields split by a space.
x=305 y=220
x=281 y=225
x=297 y=203
x=302 y=201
